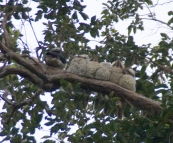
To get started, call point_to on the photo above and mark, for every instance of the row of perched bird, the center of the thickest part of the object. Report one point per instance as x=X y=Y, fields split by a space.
x=82 y=65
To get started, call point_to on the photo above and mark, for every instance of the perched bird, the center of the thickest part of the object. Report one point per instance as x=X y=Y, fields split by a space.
x=103 y=73
x=127 y=81
x=78 y=65
x=83 y=56
x=130 y=71
x=94 y=58
x=54 y=57
x=117 y=71
x=92 y=67
x=118 y=63
x=125 y=77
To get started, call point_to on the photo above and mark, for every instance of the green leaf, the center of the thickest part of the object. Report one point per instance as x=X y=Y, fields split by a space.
x=3 y=133
x=14 y=131
x=170 y=21
x=93 y=19
x=49 y=123
x=49 y=141
x=170 y=13
x=16 y=15
x=45 y=137
x=84 y=16
x=129 y=30
x=55 y=128
x=165 y=36
x=25 y=1
x=149 y=2
x=74 y=16
x=38 y=15
x=143 y=74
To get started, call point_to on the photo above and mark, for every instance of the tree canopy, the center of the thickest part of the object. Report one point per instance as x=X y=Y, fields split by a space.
x=90 y=104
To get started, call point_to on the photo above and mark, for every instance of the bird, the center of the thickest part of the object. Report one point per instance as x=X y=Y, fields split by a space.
x=125 y=77
x=55 y=58
x=103 y=73
x=130 y=71
x=117 y=71
x=83 y=56
x=94 y=58
x=118 y=63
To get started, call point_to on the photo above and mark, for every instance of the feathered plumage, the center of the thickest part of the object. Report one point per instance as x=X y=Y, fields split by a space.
x=55 y=58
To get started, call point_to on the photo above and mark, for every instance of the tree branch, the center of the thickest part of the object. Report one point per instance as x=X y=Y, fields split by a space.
x=165 y=69
x=19 y=105
x=18 y=59
x=137 y=100
x=23 y=73
x=48 y=78
x=154 y=19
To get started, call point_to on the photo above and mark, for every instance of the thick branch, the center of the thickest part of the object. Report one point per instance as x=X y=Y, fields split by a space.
x=18 y=59
x=107 y=87
x=23 y=73
x=51 y=81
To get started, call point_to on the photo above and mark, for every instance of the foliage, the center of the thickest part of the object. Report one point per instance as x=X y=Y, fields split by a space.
x=67 y=27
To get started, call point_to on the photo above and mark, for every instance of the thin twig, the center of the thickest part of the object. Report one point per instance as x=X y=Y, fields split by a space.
x=19 y=105
x=33 y=31
x=166 y=69
x=3 y=97
x=5 y=63
x=154 y=19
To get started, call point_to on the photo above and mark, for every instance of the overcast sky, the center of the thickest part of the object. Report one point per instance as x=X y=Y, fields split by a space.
x=149 y=35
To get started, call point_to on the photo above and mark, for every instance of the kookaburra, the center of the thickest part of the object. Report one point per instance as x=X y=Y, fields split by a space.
x=54 y=57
